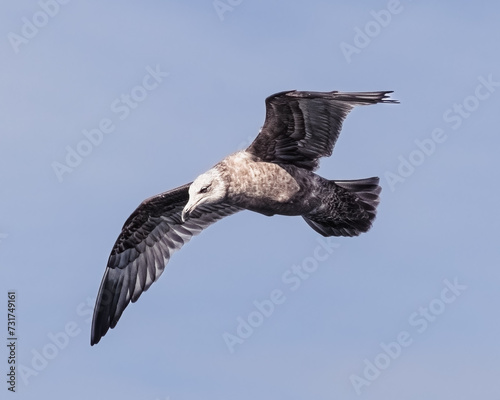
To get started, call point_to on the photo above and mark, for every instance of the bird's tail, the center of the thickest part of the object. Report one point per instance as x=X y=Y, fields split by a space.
x=350 y=208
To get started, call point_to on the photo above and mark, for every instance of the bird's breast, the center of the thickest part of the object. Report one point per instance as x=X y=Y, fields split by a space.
x=260 y=186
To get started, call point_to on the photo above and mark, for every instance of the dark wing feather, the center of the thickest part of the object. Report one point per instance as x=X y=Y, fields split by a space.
x=301 y=127
x=148 y=239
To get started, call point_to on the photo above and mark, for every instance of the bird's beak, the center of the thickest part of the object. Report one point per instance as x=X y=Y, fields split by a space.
x=191 y=205
x=185 y=213
x=188 y=209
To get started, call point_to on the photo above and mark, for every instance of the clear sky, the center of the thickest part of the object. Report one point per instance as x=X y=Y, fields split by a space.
x=106 y=103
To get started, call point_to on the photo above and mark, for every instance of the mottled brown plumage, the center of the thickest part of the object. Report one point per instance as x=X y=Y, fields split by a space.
x=274 y=175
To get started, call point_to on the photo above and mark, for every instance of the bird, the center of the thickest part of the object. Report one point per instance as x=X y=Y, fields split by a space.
x=273 y=175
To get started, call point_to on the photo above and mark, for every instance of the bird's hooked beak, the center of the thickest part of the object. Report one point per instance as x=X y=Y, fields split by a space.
x=188 y=209
x=185 y=213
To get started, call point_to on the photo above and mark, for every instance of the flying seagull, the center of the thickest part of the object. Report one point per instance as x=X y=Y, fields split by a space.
x=274 y=175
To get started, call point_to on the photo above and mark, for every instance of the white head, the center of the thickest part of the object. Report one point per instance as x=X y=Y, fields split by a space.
x=208 y=188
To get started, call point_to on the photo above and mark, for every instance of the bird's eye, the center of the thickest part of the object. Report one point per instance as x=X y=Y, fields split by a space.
x=204 y=189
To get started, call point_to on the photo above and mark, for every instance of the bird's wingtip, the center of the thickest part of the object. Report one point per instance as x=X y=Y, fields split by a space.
x=387 y=98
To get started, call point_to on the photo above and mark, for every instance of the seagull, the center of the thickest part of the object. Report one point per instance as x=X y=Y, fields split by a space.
x=274 y=175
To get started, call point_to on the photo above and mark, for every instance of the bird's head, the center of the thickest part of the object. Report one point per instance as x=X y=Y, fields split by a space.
x=208 y=188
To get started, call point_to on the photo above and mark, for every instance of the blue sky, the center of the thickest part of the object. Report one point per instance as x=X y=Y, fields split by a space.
x=408 y=310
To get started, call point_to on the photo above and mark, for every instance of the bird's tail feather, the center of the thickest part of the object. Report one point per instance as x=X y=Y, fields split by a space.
x=352 y=211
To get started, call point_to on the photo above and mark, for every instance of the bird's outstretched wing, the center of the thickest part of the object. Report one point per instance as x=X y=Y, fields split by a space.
x=301 y=127
x=149 y=237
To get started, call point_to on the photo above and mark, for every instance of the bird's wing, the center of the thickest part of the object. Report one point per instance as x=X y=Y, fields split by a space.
x=301 y=127
x=148 y=238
